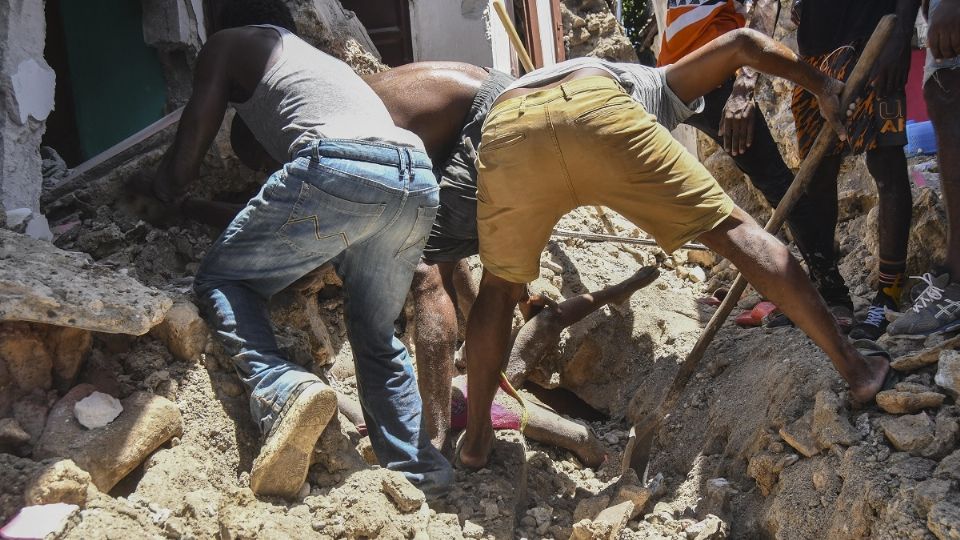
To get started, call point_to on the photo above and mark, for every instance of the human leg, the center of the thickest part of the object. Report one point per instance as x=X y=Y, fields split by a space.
x=769 y=267
x=241 y=271
x=377 y=274
x=938 y=307
x=436 y=339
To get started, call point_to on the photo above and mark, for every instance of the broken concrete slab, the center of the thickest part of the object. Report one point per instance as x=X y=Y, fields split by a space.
x=828 y=425
x=896 y=402
x=111 y=452
x=909 y=433
x=799 y=435
x=606 y=526
x=44 y=284
x=405 y=496
x=926 y=357
x=948 y=373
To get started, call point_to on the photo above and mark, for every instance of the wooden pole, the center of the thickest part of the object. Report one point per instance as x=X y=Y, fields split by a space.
x=514 y=36
x=826 y=139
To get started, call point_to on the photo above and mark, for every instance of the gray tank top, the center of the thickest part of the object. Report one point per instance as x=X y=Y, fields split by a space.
x=309 y=95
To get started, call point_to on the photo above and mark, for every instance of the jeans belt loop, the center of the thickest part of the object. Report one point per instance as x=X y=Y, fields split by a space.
x=316 y=149
x=409 y=163
x=523 y=103
x=567 y=96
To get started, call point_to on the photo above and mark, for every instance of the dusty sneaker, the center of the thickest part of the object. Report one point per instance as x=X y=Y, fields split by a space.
x=875 y=323
x=281 y=468
x=935 y=310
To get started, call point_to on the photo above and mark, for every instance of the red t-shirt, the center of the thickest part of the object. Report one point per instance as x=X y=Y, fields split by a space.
x=691 y=24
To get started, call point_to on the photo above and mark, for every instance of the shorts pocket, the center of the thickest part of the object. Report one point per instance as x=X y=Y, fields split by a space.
x=611 y=106
x=322 y=224
x=501 y=142
x=412 y=248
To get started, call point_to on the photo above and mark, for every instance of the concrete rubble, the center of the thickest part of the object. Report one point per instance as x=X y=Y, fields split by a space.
x=762 y=443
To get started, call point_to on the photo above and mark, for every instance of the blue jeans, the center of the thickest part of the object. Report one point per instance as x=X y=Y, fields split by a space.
x=368 y=208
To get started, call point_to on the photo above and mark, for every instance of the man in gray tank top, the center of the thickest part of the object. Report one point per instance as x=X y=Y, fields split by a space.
x=355 y=190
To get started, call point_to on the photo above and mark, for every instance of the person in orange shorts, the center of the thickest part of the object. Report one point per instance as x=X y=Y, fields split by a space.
x=588 y=132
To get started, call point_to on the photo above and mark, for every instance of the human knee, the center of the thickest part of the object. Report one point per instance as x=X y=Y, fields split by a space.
x=496 y=286
x=426 y=280
x=888 y=166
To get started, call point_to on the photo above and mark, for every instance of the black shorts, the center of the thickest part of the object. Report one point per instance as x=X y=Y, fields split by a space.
x=454 y=233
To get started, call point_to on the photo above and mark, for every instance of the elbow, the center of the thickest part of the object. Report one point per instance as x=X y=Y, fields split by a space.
x=750 y=45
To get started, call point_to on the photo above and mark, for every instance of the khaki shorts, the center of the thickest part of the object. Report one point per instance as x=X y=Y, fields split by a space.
x=585 y=142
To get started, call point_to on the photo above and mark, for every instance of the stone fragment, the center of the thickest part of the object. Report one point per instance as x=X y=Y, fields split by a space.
x=41 y=283
x=111 y=452
x=926 y=357
x=914 y=387
x=472 y=530
x=948 y=373
x=799 y=435
x=930 y=492
x=35 y=522
x=183 y=331
x=701 y=257
x=949 y=467
x=12 y=436
x=606 y=526
x=405 y=496
x=943 y=520
x=765 y=468
x=58 y=482
x=590 y=507
x=717 y=494
x=638 y=495
x=97 y=410
x=897 y=402
x=710 y=528
x=946 y=434
x=909 y=433
x=828 y=425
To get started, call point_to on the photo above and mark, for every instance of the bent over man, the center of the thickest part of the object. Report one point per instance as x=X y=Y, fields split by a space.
x=583 y=132
x=355 y=190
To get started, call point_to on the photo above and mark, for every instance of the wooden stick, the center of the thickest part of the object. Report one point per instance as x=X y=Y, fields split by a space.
x=646 y=428
x=514 y=36
x=592 y=237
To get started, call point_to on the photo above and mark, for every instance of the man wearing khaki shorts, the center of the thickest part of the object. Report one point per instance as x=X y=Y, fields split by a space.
x=584 y=133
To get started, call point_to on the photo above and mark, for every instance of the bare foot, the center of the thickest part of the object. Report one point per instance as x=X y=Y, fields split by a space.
x=475 y=452
x=864 y=389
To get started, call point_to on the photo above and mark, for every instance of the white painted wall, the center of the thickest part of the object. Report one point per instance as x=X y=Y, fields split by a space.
x=545 y=20
x=453 y=30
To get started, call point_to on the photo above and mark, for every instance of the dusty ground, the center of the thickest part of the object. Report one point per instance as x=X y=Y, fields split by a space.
x=725 y=470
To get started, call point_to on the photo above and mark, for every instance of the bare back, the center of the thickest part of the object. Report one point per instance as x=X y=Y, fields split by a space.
x=431 y=99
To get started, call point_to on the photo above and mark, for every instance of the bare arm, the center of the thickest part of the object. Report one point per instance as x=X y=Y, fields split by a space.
x=737 y=121
x=943 y=35
x=894 y=63
x=703 y=70
x=200 y=121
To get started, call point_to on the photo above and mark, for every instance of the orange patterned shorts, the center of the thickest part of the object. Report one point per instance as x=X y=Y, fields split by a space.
x=875 y=122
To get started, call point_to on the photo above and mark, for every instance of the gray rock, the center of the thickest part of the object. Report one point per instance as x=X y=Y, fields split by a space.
x=909 y=433
x=948 y=373
x=111 y=452
x=943 y=520
x=606 y=526
x=949 y=467
x=930 y=492
x=897 y=402
x=12 y=437
x=41 y=283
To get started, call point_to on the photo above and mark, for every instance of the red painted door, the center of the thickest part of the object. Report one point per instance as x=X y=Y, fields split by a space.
x=388 y=23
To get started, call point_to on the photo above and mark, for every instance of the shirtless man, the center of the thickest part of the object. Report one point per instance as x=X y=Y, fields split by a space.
x=572 y=135
x=355 y=190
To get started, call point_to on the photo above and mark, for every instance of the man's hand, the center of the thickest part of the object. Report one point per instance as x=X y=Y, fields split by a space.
x=736 y=124
x=893 y=66
x=829 y=101
x=943 y=34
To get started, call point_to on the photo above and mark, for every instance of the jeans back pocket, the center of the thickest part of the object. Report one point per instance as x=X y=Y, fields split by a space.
x=322 y=224
x=412 y=247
